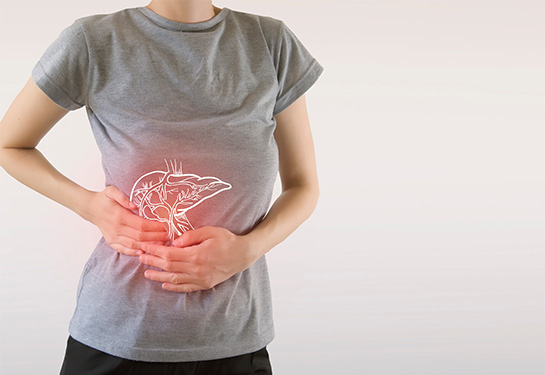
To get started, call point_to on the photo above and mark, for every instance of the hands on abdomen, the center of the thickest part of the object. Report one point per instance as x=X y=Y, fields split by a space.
x=200 y=259
x=123 y=230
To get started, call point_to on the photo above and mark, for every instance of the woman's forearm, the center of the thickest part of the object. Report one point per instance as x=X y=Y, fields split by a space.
x=31 y=168
x=289 y=211
x=31 y=115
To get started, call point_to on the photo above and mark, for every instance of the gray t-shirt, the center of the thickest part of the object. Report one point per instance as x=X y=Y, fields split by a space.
x=183 y=115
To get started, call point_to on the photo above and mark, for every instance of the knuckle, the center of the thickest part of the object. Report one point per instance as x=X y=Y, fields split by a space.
x=173 y=279
x=199 y=258
x=167 y=255
x=167 y=265
x=201 y=273
x=139 y=225
x=117 y=216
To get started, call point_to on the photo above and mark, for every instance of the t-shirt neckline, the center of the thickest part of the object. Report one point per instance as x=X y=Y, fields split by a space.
x=181 y=26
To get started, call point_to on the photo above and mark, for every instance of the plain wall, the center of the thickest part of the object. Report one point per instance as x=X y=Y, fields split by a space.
x=425 y=254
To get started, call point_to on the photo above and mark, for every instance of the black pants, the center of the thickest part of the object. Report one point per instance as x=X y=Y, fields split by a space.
x=81 y=359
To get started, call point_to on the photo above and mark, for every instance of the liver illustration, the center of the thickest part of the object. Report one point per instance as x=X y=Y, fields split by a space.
x=166 y=196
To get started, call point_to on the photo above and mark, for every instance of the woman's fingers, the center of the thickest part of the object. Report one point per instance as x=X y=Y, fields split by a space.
x=114 y=193
x=166 y=264
x=126 y=232
x=168 y=277
x=129 y=246
x=132 y=220
x=174 y=281
x=144 y=236
x=145 y=225
x=141 y=230
x=129 y=240
x=182 y=288
x=125 y=250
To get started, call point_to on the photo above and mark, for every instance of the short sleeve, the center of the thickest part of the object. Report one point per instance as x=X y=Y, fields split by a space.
x=62 y=71
x=296 y=68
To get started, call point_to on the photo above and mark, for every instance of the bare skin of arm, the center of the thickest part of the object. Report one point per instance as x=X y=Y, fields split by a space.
x=31 y=115
x=207 y=256
x=297 y=169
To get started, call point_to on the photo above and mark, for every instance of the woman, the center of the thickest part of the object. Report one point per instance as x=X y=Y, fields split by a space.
x=195 y=110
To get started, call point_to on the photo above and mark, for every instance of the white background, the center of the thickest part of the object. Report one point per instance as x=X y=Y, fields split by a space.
x=425 y=254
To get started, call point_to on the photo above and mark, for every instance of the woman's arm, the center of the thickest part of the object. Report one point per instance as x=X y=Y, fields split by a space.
x=207 y=256
x=297 y=168
x=31 y=115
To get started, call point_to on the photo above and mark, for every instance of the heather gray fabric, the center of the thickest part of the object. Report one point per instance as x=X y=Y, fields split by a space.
x=189 y=107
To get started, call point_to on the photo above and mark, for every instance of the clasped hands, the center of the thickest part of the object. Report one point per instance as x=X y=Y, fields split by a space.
x=199 y=259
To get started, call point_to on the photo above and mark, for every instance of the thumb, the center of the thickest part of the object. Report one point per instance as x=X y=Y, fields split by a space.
x=192 y=237
x=114 y=193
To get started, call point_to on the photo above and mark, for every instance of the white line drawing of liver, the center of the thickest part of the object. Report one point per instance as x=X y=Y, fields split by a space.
x=167 y=196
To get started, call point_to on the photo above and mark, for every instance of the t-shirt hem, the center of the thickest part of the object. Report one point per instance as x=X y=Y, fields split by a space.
x=305 y=83
x=221 y=350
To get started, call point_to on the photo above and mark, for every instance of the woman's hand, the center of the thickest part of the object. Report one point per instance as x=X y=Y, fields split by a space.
x=123 y=230
x=199 y=259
